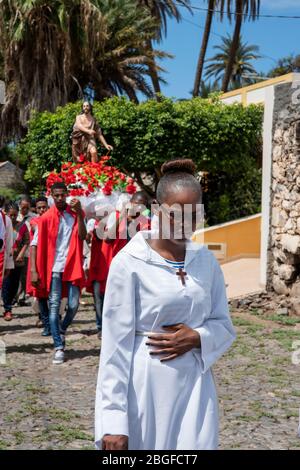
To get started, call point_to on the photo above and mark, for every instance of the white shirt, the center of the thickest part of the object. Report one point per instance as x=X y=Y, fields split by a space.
x=90 y=225
x=65 y=228
x=30 y=215
x=8 y=241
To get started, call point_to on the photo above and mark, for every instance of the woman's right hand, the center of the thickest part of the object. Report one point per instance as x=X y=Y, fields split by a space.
x=117 y=442
x=92 y=132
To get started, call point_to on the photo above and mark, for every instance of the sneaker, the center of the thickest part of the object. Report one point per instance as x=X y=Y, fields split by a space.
x=7 y=316
x=46 y=332
x=99 y=334
x=59 y=357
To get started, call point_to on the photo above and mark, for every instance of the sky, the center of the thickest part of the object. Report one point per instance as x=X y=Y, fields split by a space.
x=275 y=37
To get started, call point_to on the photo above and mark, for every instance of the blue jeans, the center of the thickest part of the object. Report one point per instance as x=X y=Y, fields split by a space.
x=98 y=300
x=44 y=313
x=54 y=306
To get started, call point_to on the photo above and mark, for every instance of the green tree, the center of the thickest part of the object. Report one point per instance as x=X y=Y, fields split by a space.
x=243 y=9
x=222 y=140
x=285 y=65
x=208 y=88
x=242 y=66
x=212 y=6
x=51 y=50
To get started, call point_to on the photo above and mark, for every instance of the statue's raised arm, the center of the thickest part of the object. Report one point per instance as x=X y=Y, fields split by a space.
x=85 y=132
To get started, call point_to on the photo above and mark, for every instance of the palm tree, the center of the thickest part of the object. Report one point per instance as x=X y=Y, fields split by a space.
x=125 y=59
x=52 y=49
x=207 y=88
x=243 y=8
x=285 y=65
x=212 y=6
x=242 y=69
x=161 y=10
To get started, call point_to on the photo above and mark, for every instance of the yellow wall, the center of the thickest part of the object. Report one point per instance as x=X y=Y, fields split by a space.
x=242 y=237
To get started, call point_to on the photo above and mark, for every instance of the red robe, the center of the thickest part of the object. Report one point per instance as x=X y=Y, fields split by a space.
x=48 y=225
x=97 y=268
x=102 y=253
x=32 y=291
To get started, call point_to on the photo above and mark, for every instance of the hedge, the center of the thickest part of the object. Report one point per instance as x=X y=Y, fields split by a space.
x=223 y=140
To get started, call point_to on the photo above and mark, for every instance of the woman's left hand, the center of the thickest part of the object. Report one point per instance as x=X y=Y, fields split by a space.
x=179 y=340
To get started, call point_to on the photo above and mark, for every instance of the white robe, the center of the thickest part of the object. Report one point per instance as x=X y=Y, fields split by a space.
x=169 y=405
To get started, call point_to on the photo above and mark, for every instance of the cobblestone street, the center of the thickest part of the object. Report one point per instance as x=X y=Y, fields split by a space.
x=51 y=407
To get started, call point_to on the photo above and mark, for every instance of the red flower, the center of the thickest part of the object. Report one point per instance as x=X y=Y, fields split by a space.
x=130 y=188
x=81 y=158
x=106 y=191
x=91 y=176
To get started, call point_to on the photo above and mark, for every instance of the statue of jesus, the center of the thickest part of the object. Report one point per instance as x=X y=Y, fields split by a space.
x=86 y=131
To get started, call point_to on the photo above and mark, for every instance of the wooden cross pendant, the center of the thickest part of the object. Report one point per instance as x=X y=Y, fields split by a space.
x=181 y=273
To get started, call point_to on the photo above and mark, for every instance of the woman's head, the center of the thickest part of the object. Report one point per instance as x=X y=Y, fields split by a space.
x=25 y=205
x=179 y=195
x=12 y=211
x=178 y=176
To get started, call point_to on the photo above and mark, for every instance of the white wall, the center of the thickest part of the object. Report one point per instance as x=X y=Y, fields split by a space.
x=266 y=181
x=256 y=96
x=232 y=99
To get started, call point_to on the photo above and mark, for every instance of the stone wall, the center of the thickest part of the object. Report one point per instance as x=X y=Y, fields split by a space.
x=284 y=238
x=10 y=176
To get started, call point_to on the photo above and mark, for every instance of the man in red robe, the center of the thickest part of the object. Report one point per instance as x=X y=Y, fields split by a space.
x=57 y=261
x=40 y=304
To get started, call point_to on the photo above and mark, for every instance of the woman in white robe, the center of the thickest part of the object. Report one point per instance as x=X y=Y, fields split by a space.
x=162 y=332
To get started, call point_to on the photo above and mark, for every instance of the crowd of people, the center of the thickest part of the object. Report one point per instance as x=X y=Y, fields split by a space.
x=160 y=303
x=50 y=254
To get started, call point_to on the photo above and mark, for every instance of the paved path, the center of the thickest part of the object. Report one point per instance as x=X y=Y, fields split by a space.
x=246 y=283
x=51 y=407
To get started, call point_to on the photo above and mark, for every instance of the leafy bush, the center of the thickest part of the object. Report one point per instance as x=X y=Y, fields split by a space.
x=219 y=138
